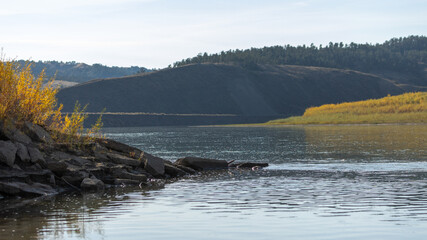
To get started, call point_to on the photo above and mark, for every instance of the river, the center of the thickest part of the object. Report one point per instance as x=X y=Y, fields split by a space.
x=323 y=182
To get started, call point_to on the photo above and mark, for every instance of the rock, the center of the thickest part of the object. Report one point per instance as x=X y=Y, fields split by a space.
x=123 y=174
x=18 y=136
x=120 y=159
x=119 y=181
x=16 y=167
x=35 y=167
x=92 y=184
x=120 y=147
x=202 y=164
x=25 y=189
x=186 y=169
x=10 y=132
x=248 y=165
x=101 y=157
x=22 y=152
x=7 y=152
x=154 y=166
x=58 y=167
x=3 y=132
x=173 y=171
x=75 y=160
x=37 y=133
x=74 y=177
x=36 y=156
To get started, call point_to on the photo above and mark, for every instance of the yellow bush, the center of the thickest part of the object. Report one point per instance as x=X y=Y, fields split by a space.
x=24 y=98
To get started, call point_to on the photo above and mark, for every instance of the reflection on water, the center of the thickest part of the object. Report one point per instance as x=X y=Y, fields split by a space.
x=367 y=143
x=328 y=182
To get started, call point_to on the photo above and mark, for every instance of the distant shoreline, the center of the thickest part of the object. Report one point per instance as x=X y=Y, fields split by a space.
x=304 y=125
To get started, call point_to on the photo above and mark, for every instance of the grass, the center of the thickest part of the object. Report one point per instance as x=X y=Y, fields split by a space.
x=404 y=108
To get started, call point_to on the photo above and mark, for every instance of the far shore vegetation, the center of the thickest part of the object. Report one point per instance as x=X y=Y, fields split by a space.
x=405 y=108
x=24 y=98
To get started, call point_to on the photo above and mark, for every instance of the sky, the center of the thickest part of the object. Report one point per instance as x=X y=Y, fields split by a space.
x=156 y=33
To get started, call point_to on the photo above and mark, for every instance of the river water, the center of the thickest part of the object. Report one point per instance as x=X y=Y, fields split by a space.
x=323 y=182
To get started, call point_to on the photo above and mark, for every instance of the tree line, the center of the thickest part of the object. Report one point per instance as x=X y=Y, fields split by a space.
x=408 y=54
x=79 y=72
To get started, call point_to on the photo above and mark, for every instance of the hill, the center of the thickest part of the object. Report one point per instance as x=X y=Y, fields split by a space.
x=79 y=72
x=400 y=59
x=266 y=90
x=405 y=108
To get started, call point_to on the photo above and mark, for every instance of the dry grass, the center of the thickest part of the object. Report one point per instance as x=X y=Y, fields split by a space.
x=405 y=108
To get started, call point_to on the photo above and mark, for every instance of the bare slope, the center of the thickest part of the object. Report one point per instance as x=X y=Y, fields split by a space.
x=228 y=89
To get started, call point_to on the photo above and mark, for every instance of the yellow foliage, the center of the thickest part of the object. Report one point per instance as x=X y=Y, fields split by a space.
x=24 y=98
x=408 y=102
x=405 y=108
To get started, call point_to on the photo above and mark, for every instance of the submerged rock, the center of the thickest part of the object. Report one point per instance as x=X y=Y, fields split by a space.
x=25 y=189
x=202 y=164
x=249 y=165
x=92 y=184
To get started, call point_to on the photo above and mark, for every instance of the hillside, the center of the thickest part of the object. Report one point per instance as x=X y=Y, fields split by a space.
x=79 y=72
x=228 y=89
x=404 y=108
x=402 y=59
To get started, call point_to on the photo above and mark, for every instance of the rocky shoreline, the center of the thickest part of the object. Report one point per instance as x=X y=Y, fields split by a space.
x=32 y=164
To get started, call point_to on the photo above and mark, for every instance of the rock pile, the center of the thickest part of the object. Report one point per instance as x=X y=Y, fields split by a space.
x=32 y=164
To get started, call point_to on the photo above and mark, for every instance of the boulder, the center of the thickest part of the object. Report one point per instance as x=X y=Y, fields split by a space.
x=25 y=189
x=12 y=133
x=173 y=171
x=22 y=152
x=75 y=160
x=123 y=174
x=19 y=136
x=120 y=147
x=36 y=156
x=154 y=165
x=186 y=169
x=202 y=164
x=7 y=153
x=120 y=159
x=92 y=184
x=74 y=176
x=58 y=167
x=37 y=133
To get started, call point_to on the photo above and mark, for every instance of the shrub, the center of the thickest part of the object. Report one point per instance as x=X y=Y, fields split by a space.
x=24 y=97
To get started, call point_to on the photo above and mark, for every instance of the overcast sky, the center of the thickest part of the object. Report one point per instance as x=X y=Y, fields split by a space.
x=156 y=33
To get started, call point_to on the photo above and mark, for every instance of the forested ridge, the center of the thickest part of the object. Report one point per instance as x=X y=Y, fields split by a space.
x=79 y=72
x=407 y=54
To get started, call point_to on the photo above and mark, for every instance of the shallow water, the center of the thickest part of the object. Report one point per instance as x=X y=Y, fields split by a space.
x=323 y=182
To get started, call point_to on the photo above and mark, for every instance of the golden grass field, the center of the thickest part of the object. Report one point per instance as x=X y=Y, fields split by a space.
x=404 y=108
